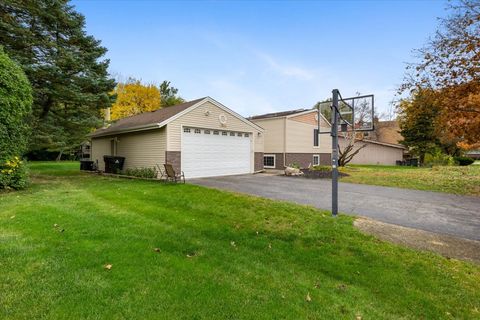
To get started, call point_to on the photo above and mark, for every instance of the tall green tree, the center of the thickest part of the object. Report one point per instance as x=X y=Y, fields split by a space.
x=64 y=65
x=417 y=119
x=15 y=106
x=169 y=95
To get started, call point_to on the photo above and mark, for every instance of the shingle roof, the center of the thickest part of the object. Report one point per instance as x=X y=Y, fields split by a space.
x=277 y=114
x=144 y=119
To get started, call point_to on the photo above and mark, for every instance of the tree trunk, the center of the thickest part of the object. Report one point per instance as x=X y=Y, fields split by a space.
x=59 y=157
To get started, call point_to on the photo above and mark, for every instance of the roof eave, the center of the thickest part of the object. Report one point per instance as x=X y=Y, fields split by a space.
x=126 y=130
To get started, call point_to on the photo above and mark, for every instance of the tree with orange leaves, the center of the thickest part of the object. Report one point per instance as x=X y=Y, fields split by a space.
x=450 y=68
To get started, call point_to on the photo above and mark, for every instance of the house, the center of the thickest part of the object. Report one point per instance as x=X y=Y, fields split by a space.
x=375 y=152
x=202 y=137
x=291 y=137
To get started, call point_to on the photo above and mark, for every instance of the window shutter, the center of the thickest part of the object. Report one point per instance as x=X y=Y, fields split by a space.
x=315 y=137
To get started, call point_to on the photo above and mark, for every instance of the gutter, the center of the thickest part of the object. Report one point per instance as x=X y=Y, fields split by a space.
x=126 y=130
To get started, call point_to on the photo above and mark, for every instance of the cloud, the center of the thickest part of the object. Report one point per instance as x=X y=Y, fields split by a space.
x=243 y=100
x=283 y=69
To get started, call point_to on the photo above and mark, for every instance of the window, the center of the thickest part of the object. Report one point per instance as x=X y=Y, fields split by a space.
x=232 y=134
x=215 y=132
x=239 y=134
x=316 y=160
x=269 y=161
x=206 y=131
x=315 y=137
x=198 y=131
x=246 y=135
x=187 y=130
x=224 y=133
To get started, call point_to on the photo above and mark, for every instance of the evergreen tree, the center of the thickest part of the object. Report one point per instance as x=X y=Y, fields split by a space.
x=169 y=95
x=15 y=105
x=64 y=65
x=417 y=119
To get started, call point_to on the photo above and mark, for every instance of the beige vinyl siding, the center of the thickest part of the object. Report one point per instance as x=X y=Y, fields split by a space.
x=274 y=136
x=100 y=147
x=375 y=153
x=300 y=138
x=140 y=149
x=199 y=119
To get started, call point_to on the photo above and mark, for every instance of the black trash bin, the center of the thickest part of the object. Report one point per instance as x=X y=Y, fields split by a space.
x=113 y=164
x=86 y=165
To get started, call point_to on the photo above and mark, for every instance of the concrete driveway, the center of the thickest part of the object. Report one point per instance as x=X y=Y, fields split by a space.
x=431 y=211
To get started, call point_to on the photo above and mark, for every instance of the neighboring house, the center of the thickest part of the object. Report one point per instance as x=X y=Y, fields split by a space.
x=375 y=152
x=291 y=137
x=475 y=154
x=202 y=137
x=385 y=131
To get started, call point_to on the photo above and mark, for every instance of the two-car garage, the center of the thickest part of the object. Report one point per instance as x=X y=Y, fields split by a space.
x=202 y=138
x=209 y=153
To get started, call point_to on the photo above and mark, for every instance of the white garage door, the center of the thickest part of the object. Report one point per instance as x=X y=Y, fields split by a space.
x=209 y=153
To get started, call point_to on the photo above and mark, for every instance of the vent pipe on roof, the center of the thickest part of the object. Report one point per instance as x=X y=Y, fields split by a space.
x=106 y=117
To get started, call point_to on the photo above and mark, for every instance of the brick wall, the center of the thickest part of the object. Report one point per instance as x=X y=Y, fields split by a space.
x=306 y=159
x=258 y=161
x=174 y=158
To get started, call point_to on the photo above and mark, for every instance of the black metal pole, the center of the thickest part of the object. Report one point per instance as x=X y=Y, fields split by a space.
x=334 y=134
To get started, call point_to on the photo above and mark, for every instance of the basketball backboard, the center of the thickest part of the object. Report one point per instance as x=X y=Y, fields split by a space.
x=355 y=114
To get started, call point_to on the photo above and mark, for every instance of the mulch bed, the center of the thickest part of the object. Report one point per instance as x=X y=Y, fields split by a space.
x=318 y=174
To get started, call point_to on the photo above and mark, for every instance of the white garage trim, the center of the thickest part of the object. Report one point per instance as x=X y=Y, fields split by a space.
x=209 y=152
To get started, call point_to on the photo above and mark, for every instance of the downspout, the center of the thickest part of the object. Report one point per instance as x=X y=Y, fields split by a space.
x=284 y=141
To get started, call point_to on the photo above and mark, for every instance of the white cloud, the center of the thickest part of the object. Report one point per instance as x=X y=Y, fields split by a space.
x=284 y=69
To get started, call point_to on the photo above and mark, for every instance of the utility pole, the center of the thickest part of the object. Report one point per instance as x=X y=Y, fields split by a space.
x=334 y=135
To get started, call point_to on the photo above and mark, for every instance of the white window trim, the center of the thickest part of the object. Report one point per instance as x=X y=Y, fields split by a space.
x=313 y=161
x=274 y=161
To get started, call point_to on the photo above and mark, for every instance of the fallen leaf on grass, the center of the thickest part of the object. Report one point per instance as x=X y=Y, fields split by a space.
x=308 y=298
x=156 y=249
x=55 y=225
x=269 y=246
x=108 y=266
x=191 y=255
x=233 y=243
x=12 y=217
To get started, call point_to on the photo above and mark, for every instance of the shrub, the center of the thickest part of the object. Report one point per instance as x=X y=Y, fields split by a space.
x=322 y=168
x=464 y=161
x=438 y=159
x=15 y=106
x=13 y=174
x=142 y=172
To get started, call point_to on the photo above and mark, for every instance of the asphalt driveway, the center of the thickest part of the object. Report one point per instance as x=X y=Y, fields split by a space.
x=430 y=211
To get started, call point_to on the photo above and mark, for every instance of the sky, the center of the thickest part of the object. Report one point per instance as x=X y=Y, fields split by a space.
x=264 y=56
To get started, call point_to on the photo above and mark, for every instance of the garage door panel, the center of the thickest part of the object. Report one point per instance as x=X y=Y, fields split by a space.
x=208 y=155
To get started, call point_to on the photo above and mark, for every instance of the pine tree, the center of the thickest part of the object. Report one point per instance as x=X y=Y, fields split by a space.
x=64 y=65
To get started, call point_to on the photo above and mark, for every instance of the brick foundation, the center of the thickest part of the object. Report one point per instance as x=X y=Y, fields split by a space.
x=306 y=159
x=258 y=161
x=175 y=159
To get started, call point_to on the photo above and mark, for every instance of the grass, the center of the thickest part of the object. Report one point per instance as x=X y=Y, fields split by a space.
x=223 y=256
x=452 y=179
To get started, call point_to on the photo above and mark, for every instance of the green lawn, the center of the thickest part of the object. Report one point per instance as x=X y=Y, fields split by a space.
x=223 y=256
x=454 y=179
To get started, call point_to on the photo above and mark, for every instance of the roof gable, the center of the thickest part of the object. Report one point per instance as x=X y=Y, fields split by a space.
x=161 y=117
